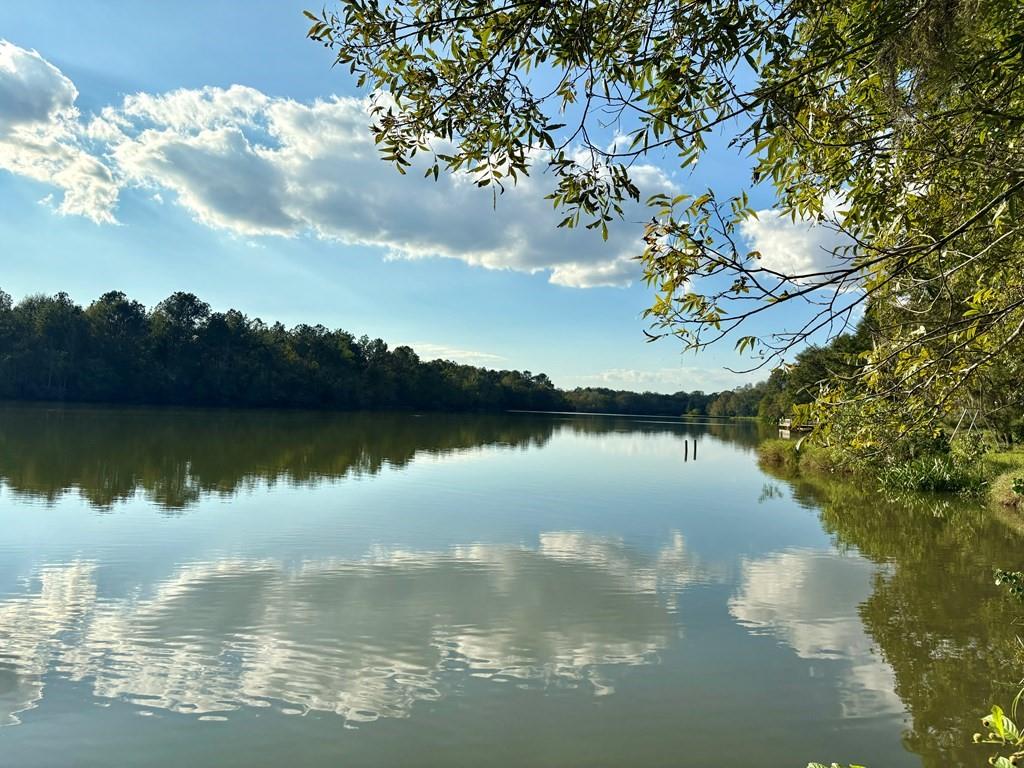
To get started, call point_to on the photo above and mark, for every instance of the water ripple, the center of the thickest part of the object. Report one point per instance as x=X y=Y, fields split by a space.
x=363 y=639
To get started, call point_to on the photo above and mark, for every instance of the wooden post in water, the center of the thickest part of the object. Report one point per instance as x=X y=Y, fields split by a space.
x=695 y=449
x=686 y=450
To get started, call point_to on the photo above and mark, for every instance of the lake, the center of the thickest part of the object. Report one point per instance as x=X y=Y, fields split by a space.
x=191 y=587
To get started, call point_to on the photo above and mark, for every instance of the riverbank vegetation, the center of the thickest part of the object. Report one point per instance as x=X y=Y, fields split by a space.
x=973 y=450
x=1007 y=487
x=997 y=475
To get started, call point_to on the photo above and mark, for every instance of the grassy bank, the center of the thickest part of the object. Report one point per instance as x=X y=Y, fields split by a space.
x=1006 y=469
x=997 y=475
x=801 y=456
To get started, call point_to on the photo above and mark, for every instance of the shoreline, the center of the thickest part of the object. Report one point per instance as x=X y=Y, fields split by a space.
x=993 y=475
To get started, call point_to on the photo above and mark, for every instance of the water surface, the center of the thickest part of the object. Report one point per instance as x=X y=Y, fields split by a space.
x=249 y=588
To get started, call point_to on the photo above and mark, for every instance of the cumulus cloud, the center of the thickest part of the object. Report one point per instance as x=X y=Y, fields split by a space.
x=40 y=135
x=216 y=174
x=31 y=89
x=795 y=247
x=620 y=271
x=254 y=165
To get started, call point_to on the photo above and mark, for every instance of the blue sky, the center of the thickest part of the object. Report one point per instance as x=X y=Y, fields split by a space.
x=154 y=147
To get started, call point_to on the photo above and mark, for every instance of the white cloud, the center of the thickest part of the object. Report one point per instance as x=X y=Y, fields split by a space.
x=429 y=351
x=620 y=271
x=795 y=247
x=216 y=174
x=668 y=379
x=31 y=89
x=191 y=109
x=254 y=165
x=40 y=135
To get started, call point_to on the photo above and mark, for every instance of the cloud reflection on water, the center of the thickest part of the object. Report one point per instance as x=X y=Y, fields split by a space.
x=809 y=600
x=363 y=638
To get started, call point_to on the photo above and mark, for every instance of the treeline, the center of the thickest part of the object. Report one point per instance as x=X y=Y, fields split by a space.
x=768 y=400
x=602 y=400
x=182 y=353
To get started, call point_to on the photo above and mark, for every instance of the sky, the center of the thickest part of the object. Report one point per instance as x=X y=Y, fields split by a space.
x=211 y=148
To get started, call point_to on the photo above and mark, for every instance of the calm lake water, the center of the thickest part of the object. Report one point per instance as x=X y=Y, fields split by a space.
x=265 y=589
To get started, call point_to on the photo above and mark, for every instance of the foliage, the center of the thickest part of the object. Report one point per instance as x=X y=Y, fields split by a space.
x=940 y=469
x=896 y=124
x=743 y=401
x=1001 y=730
x=1012 y=580
x=818 y=459
x=778 y=453
x=603 y=400
x=943 y=473
x=183 y=352
x=800 y=456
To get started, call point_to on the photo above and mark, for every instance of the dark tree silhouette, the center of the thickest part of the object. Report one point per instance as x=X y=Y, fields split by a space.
x=184 y=353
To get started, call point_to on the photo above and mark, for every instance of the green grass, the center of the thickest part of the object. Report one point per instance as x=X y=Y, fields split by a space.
x=822 y=461
x=944 y=473
x=808 y=458
x=778 y=453
x=937 y=473
x=1007 y=467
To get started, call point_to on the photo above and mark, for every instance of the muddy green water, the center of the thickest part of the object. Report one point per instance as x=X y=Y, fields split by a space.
x=265 y=589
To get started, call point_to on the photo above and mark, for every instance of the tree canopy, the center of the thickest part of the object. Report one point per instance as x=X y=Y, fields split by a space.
x=898 y=124
x=183 y=352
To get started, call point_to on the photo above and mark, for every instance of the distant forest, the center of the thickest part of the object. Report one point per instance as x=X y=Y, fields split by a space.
x=183 y=353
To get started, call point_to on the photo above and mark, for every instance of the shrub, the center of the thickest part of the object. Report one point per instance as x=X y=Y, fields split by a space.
x=778 y=453
x=941 y=472
x=821 y=460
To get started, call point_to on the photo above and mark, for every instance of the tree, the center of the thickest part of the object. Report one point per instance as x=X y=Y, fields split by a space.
x=899 y=124
x=49 y=341
x=7 y=337
x=120 y=328
x=776 y=402
x=176 y=323
x=180 y=315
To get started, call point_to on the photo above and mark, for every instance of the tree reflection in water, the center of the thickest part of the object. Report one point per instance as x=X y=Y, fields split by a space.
x=950 y=635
